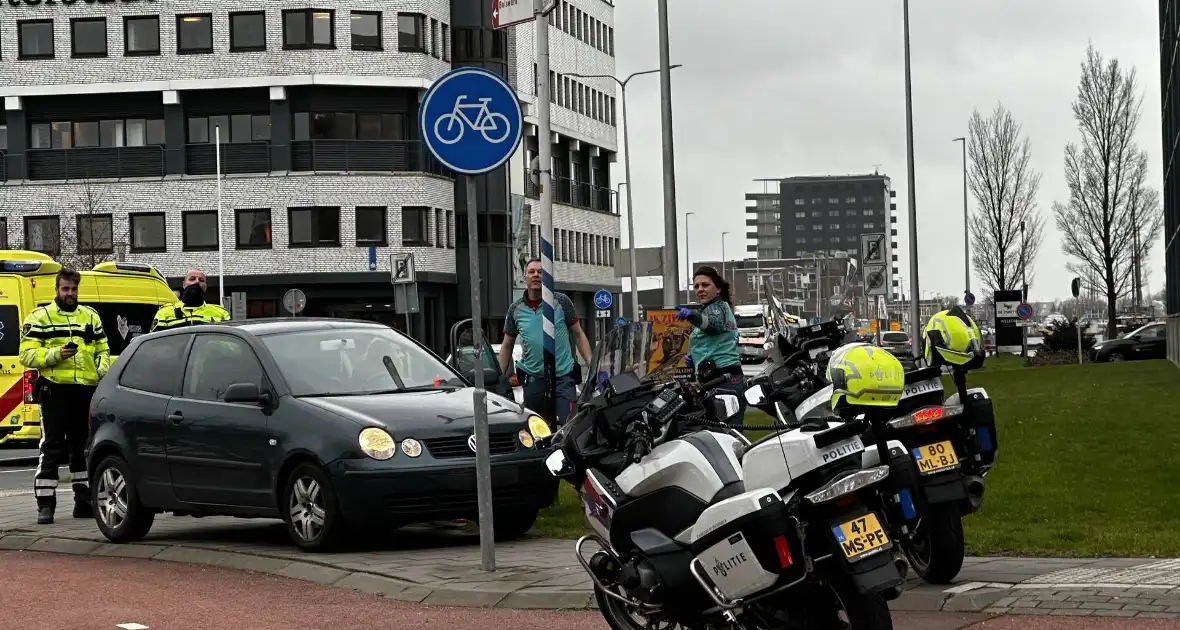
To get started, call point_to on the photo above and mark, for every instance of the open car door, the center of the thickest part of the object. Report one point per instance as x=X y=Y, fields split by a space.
x=463 y=360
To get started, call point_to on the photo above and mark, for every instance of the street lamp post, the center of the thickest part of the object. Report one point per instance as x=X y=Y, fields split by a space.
x=687 y=260
x=627 y=170
x=630 y=240
x=1024 y=291
x=672 y=266
x=915 y=292
x=966 y=224
x=723 y=235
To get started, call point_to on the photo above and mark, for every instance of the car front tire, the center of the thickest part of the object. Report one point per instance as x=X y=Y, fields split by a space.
x=310 y=509
x=120 y=516
x=511 y=525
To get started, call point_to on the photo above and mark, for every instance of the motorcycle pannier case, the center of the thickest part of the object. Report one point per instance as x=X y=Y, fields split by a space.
x=979 y=422
x=748 y=543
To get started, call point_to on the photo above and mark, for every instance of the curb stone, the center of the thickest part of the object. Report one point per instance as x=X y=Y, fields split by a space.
x=514 y=595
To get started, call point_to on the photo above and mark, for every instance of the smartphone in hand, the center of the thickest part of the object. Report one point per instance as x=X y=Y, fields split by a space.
x=71 y=345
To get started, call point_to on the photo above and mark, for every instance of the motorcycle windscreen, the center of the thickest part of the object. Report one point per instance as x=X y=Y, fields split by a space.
x=632 y=355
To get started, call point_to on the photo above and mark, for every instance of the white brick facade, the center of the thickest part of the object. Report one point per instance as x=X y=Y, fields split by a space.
x=222 y=64
x=174 y=196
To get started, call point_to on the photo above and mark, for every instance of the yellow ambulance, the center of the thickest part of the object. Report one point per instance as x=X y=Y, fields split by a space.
x=126 y=296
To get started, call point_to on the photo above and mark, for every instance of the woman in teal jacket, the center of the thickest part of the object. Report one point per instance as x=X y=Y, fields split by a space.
x=715 y=332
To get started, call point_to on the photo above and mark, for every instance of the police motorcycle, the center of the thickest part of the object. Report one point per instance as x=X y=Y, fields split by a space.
x=698 y=528
x=940 y=451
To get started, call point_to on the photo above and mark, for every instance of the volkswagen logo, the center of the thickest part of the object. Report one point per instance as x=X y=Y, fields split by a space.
x=471 y=442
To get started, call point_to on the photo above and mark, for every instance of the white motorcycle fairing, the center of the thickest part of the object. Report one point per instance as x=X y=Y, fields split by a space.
x=779 y=460
x=700 y=463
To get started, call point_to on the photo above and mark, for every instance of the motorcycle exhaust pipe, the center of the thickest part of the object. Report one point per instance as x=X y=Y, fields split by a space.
x=975 y=486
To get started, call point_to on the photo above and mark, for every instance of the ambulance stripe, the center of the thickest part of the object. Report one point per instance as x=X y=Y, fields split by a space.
x=12 y=398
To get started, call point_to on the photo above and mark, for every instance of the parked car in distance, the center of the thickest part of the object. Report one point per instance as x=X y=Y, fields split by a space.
x=1145 y=342
x=330 y=425
x=897 y=342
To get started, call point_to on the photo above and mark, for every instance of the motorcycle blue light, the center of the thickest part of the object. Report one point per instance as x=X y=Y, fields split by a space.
x=907 y=504
x=985 y=439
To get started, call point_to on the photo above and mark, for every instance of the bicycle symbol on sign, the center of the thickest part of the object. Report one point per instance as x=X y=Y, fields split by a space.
x=494 y=127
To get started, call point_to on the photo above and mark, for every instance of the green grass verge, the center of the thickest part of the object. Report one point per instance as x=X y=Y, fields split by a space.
x=1084 y=467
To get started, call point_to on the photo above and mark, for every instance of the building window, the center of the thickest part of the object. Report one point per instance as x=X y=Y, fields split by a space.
x=309 y=28
x=42 y=235
x=96 y=234
x=834 y=226
x=235 y=128
x=36 y=39
x=867 y=213
x=88 y=37
x=315 y=226
x=366 y=30
x=194 y=33
x=371 y=228
x=247 y=31
x=869 y=226
x=450 y=229
x=199 y=230
x=349 y=126
x=253 y=228
x=416 y=226
x=411 y=32
x=148 y=232
x=833 y=213
x=446 y=44
x=103 y=133
x=141 y=35
x=434 y=38
x=3 y=137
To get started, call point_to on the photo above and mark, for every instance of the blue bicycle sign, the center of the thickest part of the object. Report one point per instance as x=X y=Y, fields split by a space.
x=471 y=120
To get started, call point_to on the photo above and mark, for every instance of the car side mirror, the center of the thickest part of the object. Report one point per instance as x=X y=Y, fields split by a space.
x=755 y=396
x=558 y=465
x=248 y=393
x=728 y=404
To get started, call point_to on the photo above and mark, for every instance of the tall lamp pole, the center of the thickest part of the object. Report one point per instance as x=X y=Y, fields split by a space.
x=915 y=313
x=671 y=258
x=627 y=171
x=966 y=224
x=687 y=261
x=723 y=235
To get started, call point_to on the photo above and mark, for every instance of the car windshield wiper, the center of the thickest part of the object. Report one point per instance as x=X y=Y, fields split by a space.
x=330 y=394
x=423 y=388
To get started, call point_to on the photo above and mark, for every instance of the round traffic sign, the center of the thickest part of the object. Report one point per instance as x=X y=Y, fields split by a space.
x=876 y=280
x=622 y=321
x=603 y=299
x=471 y=120
x=1024 y=311
x=294 y=301
x=969 y=298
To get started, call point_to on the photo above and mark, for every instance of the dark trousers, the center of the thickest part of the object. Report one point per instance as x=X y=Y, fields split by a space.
x=534 y=395
x=65 y=427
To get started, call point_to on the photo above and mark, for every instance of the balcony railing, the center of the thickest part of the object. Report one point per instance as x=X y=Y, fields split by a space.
x=572 y=193
x=236 y=157
x=3 y=166
x=362 y=155
x=95 y=162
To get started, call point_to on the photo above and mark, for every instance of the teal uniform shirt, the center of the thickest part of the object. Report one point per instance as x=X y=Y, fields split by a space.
x=716 y=336
x=525 y=321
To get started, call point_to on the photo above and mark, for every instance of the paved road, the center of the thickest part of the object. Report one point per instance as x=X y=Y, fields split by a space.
x=105 y=593
x=16 y=479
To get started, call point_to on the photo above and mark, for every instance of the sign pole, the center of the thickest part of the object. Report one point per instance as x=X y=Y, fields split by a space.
x=483 y=460
x=545 y=163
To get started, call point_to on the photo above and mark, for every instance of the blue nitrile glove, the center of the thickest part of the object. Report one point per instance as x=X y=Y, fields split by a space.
x=683 y=314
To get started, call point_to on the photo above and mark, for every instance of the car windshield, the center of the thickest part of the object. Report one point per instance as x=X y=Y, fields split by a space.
x=1142 y=330
x=895 y=337
x=750 y=321
x=344 y=362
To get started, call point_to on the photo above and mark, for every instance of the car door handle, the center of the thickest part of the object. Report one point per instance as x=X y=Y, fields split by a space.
x=176 y=418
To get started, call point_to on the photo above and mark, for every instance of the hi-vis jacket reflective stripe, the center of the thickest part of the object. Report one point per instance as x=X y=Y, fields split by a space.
x=48 y=328
x=175 y=315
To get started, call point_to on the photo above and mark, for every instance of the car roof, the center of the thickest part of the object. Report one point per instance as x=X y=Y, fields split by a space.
x=277 y=325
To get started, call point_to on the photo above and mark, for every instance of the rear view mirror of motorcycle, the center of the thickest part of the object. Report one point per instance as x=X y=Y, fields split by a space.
x=755 y=397
x=728 y=405
x=558 y=465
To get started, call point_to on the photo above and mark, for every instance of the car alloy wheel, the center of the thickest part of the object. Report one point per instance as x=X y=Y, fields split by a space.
x=306 y=508
x=112 y=498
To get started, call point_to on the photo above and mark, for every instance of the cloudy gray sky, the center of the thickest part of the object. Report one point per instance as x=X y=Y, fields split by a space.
x=774 y=88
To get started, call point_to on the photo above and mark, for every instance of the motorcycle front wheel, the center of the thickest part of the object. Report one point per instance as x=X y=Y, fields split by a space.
x=937 y=549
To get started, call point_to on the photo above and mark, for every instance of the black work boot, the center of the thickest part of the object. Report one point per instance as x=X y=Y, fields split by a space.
x=44 y=516
x=83 y=510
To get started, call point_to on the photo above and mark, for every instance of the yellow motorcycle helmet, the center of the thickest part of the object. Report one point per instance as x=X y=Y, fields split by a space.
x=953 y=338
x=865 y=376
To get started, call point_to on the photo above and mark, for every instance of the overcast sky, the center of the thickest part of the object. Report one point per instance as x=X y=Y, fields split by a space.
x=776 y=88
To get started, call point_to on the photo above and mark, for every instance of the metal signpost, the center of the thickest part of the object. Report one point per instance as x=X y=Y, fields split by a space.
x=472 y=123
x=237 y=301
x=404 y=277
x=1075 y=287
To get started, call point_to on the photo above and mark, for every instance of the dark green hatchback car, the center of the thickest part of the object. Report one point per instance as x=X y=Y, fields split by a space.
x=329 y=425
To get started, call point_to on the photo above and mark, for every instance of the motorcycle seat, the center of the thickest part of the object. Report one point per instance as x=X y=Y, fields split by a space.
x=922 y=374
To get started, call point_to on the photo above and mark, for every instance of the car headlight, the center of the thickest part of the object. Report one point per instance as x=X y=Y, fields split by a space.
x=526 y=439
x=376 y=443
x=849 y=484
x=539 y=428
x=411 y=447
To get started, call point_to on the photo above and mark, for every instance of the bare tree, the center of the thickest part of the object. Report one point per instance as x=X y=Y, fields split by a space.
x=1112 y=216
x=1005 y=187
x=94 y=238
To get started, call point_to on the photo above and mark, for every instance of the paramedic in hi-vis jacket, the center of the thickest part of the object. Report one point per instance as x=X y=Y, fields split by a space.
x=65 y=343
x=192 y=309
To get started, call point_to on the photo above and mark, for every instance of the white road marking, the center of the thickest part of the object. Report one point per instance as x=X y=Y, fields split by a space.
x=14 y=493
x=7 y=472
x=131 y=626
x=963 y=588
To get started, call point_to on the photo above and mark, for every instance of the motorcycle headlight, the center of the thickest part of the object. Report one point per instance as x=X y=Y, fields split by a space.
x=538 y=427
x=376 y=443
x=849 y=484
